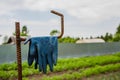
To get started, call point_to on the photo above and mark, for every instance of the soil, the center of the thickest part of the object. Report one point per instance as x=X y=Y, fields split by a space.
x=104 y=76
x=93 y=77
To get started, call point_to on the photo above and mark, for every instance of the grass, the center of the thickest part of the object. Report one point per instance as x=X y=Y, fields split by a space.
x=76 y=68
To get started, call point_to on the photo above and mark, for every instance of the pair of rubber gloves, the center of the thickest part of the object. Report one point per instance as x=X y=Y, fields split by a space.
x=44 y=51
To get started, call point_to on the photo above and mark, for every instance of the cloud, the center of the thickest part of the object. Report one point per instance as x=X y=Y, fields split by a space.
x=82 y=9
x=83 y=13
x=7 y=7
x=85 y=10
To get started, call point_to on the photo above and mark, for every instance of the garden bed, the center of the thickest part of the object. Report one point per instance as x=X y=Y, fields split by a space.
x=66 y=69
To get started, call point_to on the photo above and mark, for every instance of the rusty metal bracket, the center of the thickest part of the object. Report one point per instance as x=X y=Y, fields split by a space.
x=18 y=47
x=62 y=22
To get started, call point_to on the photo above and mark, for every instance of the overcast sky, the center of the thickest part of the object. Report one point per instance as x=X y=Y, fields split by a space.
x=83 y=18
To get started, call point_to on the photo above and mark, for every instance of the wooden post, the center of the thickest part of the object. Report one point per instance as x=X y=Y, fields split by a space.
x=18 y=47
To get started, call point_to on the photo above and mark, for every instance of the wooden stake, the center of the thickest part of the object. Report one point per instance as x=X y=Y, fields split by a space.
x=18 y=47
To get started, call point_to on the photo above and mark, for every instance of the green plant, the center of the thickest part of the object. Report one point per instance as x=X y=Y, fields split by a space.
x=86 y=72
x=76 y=67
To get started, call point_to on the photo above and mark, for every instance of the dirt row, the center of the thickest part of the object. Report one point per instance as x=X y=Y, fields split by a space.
x=93 y=77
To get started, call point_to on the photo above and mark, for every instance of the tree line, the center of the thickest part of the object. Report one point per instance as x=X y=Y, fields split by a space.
x=108 y=37
x=112 y=37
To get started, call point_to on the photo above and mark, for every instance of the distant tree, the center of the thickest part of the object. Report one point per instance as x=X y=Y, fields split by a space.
x=118 y=30
x=77 y=38
x=91 y=37
x=54 y=32
x=117 y=34
x=108 y=37
x=68 y=39
x=24 y=31
x=102 y=37
x=98 y=37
